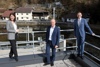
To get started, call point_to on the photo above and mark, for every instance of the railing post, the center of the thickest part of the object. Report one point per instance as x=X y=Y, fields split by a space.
x=76 y=44
x=28 y=33
x=0 y=46
x=40 y=39
x=64 y=45
x=33 y=42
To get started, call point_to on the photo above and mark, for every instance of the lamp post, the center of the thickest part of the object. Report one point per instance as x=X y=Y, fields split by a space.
x=53 y=12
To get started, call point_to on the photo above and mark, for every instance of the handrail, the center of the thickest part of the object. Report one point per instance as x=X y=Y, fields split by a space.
x=92 y=45
x=60 y=30
x=18 y=33
x=98 y=36
x=67 y=47
x=92 y=55
x=39 y=31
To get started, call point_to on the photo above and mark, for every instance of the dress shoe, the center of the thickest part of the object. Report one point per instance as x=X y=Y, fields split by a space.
x=10 y=56
x=52 y=64
x=46 y=64
x=16 y=59
x=82 y=57
x=78 y=55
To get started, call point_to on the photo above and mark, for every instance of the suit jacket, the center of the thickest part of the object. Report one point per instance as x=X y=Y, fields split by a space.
x=55 y=35
x=82 y=28
x=10 y=30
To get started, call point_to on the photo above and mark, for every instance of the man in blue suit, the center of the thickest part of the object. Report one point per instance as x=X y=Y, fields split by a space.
x=80 y=27
x=52 y=41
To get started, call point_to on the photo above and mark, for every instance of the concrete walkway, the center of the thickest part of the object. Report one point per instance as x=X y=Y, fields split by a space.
x=28 y=59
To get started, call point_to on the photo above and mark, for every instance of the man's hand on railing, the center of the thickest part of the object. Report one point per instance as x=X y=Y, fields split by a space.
x=93 y=34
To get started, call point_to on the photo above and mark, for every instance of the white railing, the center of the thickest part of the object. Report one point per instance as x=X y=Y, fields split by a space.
x=70 y=30
x=33 y=40
x=38 y=41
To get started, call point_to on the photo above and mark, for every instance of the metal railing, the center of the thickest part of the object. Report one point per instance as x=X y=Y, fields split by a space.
x=37 y=41
x=76 y=43
x=89 y=44
x=69 y=39
x=33 y=40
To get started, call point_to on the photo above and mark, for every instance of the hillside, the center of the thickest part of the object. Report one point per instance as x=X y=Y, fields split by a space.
x=16 y=3
x=85 y=6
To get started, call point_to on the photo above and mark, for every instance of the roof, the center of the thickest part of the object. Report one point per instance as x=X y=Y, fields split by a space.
x=40 y=11
x=7 y=13
x=2 y=10
x=23 y=10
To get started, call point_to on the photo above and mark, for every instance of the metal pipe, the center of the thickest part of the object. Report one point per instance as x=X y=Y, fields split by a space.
x=92 y=55
x=98 y=36
x=92 y=45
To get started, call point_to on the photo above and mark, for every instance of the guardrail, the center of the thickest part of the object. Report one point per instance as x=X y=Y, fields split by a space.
x=70 y=30
x=98 y=36
x=33 y=41
x=33 y=34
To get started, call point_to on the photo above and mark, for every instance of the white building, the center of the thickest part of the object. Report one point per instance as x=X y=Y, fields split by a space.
x=27 y=13
x=40 y=15
x=24 y=13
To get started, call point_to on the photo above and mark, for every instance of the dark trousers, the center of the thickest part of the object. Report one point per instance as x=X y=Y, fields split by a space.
x=48 y=46
x=13 y=49
x=80 y=42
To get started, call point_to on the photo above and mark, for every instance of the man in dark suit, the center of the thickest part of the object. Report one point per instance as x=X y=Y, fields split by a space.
x=52 y=41
x=80 y=27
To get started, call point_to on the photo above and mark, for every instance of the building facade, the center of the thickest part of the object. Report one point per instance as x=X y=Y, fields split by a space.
x=24 y=13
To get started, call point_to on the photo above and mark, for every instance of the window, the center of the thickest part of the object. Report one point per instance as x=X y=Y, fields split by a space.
x=26 y=17
x=17 y=13
x=17 y=18
x=22 y=17
x=22 y=13
x=26 y=13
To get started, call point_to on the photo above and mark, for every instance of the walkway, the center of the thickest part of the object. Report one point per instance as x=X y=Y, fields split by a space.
x=27 y=59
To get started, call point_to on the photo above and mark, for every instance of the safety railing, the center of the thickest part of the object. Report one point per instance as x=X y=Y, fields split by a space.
x=69 y=30
x=98 y=48
x=35 y=41
x=64 y=47
x=89 y=44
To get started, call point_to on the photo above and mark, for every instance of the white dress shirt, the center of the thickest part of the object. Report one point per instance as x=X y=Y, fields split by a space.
x=15 y=26
x=79 y=21
x=51 y=32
